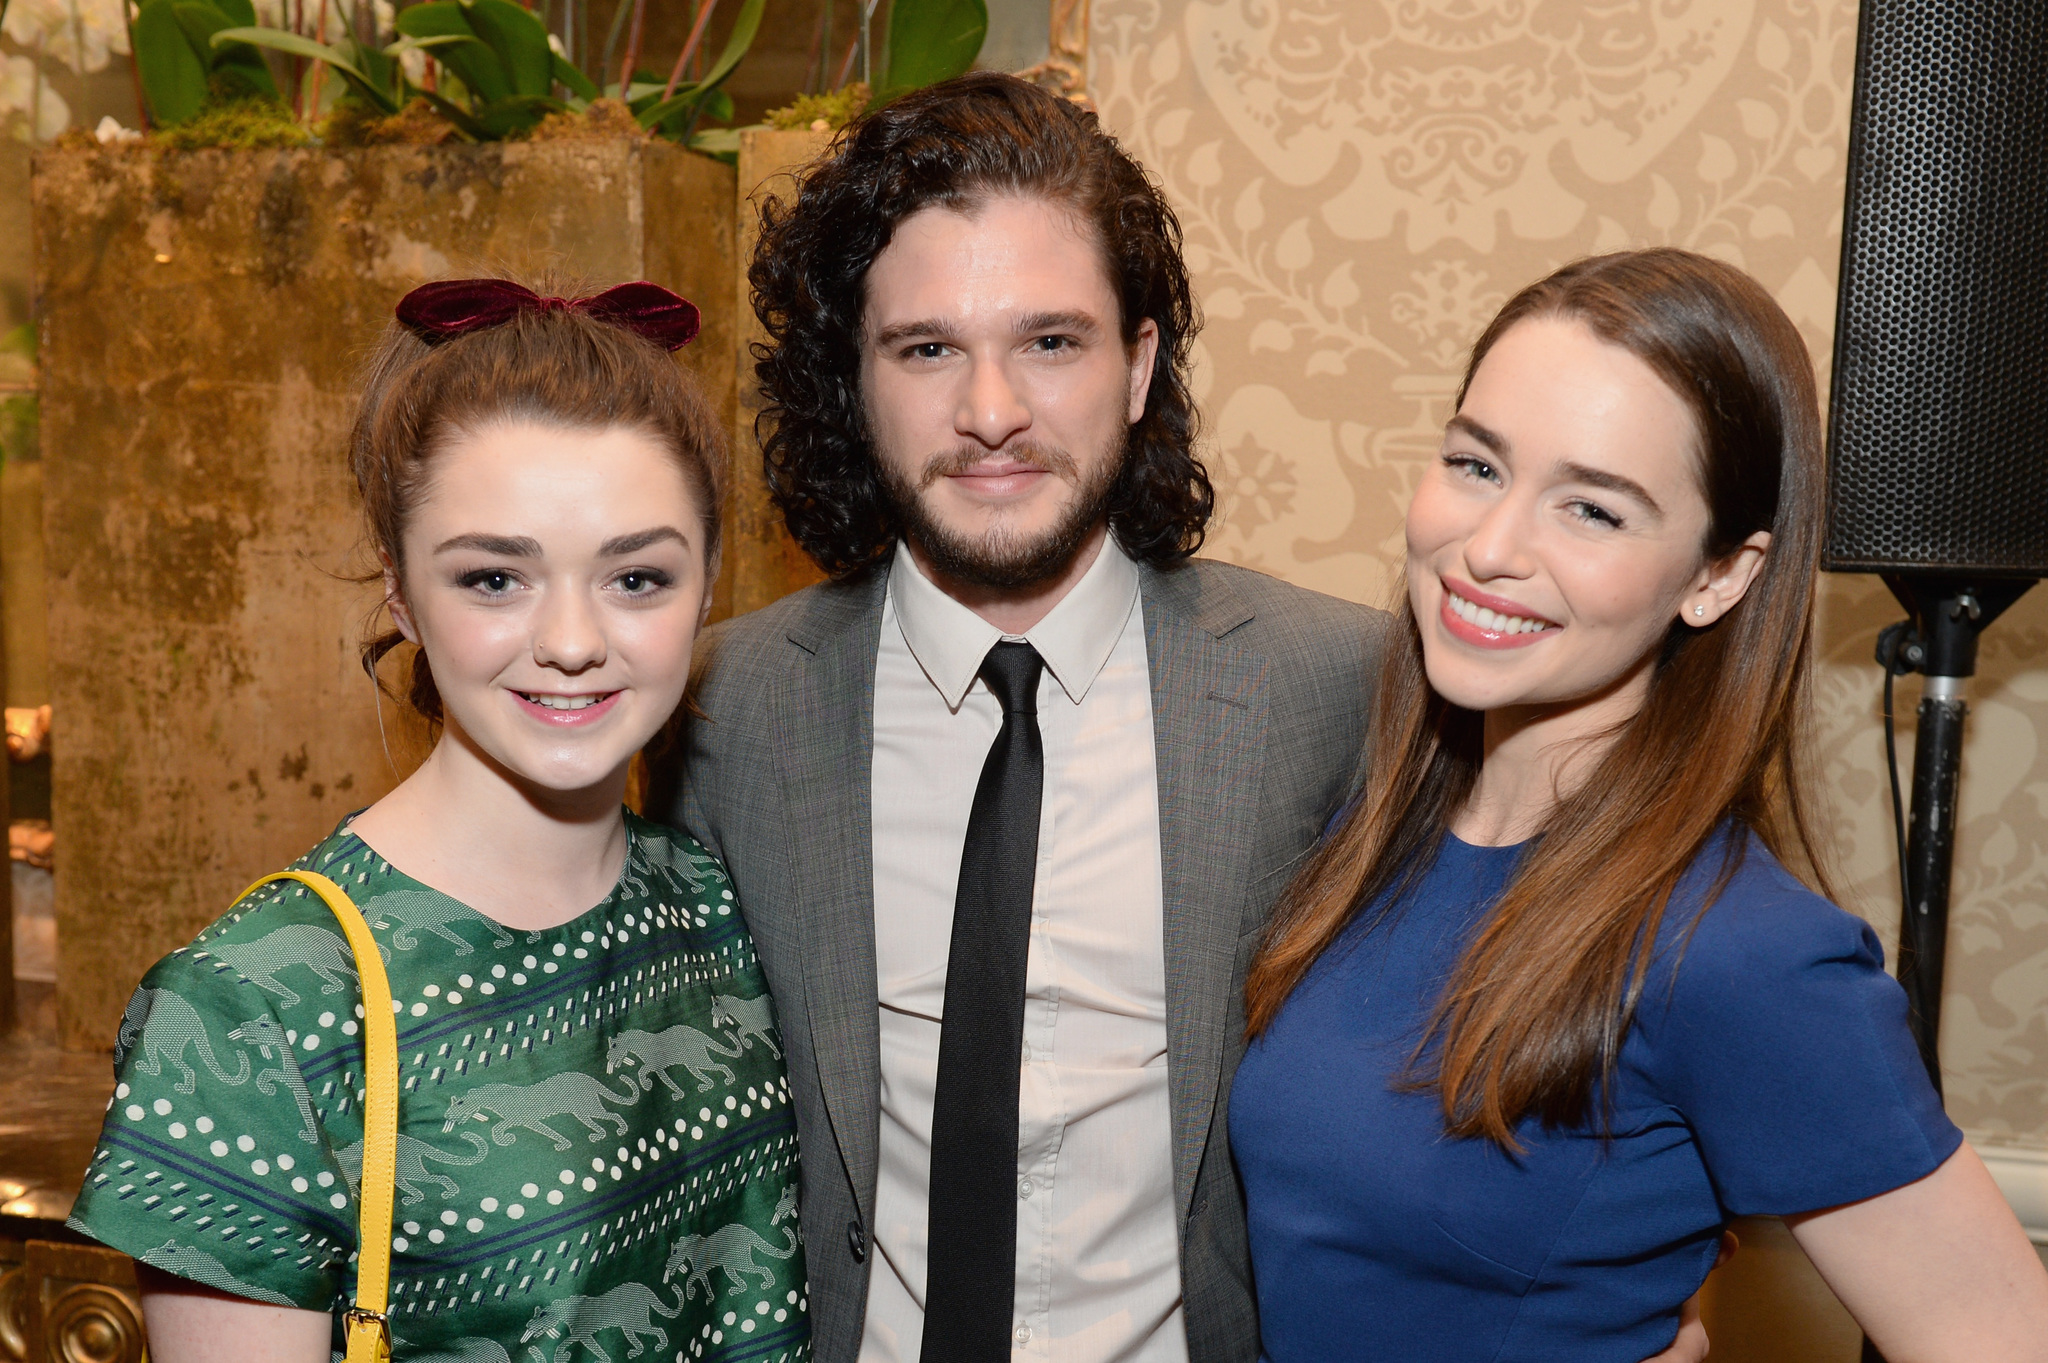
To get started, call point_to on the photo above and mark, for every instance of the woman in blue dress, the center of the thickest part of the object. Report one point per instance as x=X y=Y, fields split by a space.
x=1563 y=991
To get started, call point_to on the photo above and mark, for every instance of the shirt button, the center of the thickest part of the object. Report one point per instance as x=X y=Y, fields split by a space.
x=1023 y=1334
x=1025 y=1188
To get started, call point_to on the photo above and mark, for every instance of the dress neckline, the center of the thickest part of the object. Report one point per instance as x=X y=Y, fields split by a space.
x=352 y=845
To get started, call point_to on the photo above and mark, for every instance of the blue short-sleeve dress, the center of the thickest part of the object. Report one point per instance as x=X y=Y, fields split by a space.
x=1768 y=1071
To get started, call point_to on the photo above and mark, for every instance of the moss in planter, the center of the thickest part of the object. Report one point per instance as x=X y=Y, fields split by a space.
x=834 y=109
x=418 y=124
x=604 y=120
x=247 y=124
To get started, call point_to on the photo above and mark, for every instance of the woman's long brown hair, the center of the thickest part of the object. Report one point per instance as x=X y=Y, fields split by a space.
x=1533 y=1017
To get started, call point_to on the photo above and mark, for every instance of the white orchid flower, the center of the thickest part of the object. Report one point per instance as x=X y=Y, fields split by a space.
x=18 y=94
x=82 y=34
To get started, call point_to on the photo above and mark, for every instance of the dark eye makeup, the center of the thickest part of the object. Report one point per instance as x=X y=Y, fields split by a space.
x=489 y=581
x=1593 y=514
x=643 y=581
x=1471 y=466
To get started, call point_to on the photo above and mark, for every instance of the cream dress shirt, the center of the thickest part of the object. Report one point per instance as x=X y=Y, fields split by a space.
x=1098 y=1275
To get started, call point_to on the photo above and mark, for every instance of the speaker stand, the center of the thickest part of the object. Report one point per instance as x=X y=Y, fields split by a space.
x=1939 y=641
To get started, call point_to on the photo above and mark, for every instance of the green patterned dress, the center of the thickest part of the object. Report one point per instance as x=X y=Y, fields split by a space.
x=596 y=1152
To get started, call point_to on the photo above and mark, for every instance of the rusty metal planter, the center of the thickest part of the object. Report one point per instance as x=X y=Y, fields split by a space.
x=203 y=315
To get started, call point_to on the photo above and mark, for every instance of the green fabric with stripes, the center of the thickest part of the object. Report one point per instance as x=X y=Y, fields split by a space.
x=596 y=1148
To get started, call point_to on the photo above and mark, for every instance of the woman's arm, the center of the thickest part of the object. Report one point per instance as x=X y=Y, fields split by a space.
x=1936 y=1270
x=188 y=1323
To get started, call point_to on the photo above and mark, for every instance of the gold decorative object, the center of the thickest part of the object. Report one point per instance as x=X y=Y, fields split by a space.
x=15 y=1303
x=32 y=841
x=90 y=1323
x=28 y=732
x=1066 y=69
x=69 y=1304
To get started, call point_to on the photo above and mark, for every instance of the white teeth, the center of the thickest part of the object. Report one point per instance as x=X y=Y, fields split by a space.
x=1492 y=621
x=565 y=702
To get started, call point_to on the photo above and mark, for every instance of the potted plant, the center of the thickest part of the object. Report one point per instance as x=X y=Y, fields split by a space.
x=203 y=308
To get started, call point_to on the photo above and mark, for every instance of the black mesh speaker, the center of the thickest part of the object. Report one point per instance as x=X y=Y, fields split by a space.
x=1938 y=428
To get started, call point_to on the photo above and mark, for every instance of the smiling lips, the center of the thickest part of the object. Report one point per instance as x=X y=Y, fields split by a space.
x=1490 y=621
x=566 y=711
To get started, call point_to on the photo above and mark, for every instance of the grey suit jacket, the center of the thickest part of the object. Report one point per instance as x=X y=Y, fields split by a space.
x=1259 y=696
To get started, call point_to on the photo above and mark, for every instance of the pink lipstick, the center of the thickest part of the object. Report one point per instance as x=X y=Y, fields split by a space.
x=1488 y=621
x=567 y=711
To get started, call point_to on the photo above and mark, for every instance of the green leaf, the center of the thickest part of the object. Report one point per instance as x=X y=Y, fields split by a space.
x=647 y=99
x=173 y=73
x=440 y=19
x=691 y=102
x=672 y=114
x=744 y=26
x=379 y=68
x=379 y=91
x=469 y=60
x=931 y=41
x=240 y=13
x=199 y=22
x=405 y=45
x=457 y=115
x=475 y=64
x=573 y=79
x=246 y=63
x=720 y=143
x=651 y=115
x=374 y=85
x=278 y=40
x=501 y=118
x=520 y=41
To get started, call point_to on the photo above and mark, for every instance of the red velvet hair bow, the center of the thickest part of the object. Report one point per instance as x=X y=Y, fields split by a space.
x=454 y=307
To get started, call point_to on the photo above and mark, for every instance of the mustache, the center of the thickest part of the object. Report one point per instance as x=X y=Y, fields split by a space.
x=964 y=459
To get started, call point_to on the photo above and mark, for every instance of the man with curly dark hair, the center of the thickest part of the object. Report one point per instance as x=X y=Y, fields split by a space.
x=1024 y=764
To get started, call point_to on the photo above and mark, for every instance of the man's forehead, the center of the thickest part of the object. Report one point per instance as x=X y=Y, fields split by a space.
x=993 y=254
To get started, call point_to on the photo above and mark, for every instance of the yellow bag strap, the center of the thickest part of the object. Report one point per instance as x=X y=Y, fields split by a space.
x=368 y=1333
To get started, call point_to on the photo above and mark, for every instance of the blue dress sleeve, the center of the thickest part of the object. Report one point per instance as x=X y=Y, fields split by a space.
x=1783 y=1044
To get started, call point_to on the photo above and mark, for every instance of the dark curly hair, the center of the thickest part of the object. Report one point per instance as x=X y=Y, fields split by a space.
x=954 y=145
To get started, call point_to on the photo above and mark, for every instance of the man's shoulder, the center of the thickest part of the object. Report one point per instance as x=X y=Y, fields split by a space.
x=1270 y=615
x=1272 y=595
x=757 y=640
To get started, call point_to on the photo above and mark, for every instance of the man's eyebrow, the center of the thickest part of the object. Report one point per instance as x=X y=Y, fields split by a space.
x=1494 y=441
x=1045 y=323
x=928 y=327
x=509 y=546
x=641 y=539
x=1613 y=482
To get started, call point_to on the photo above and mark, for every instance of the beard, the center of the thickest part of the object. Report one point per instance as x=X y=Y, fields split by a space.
x=1001 y=557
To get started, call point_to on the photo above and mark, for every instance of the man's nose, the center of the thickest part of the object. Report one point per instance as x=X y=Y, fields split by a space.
x=992 y=408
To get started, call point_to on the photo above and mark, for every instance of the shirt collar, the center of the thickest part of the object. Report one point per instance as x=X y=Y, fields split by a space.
x=1075 y=638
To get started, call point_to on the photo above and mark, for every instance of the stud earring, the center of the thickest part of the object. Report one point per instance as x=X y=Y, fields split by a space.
x=1699 y=610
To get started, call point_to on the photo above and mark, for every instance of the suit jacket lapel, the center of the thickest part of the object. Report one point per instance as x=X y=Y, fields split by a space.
x=1209 y=711
x=824 y=748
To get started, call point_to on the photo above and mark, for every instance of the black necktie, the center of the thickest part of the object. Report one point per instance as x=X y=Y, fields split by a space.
x=971 y=1276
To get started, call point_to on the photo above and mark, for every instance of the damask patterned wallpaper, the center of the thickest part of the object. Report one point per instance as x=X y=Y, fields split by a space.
x=1363 y=182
